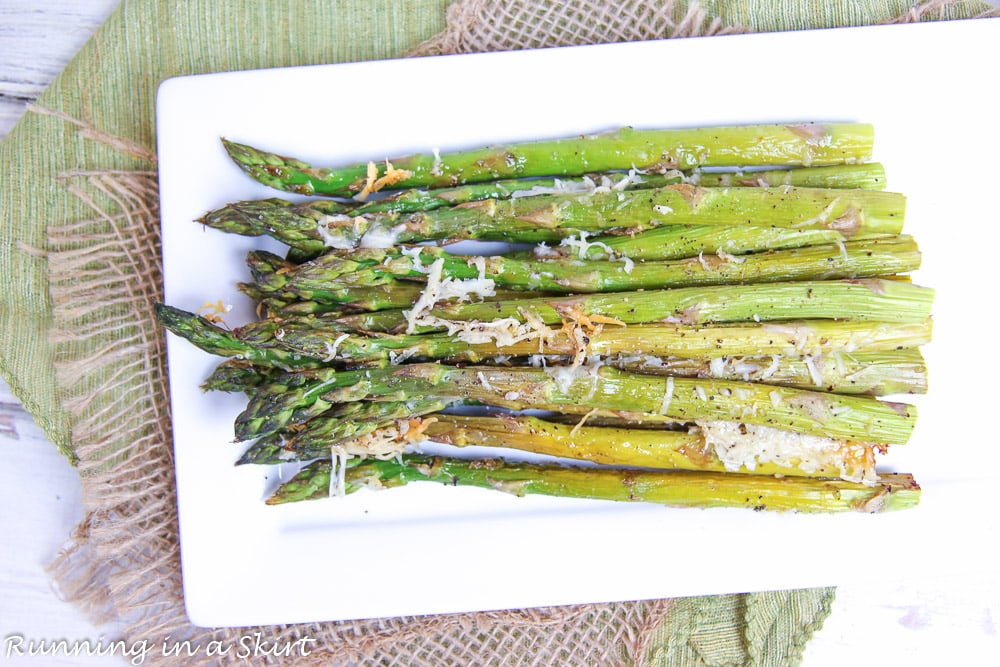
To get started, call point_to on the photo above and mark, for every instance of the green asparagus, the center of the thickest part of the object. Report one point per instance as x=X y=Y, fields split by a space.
x=859 y=300
x=337 y=272
x=312 y=228
x=275 y=406
x=673 y=488
x=622 y=149
x=865 y=176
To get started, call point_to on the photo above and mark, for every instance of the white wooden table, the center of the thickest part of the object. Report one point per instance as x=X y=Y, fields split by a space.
x=917 y=622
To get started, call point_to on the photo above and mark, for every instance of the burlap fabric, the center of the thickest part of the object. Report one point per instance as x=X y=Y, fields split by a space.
x=80 y=347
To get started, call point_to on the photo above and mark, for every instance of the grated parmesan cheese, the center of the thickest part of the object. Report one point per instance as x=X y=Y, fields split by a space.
x=329 y=229
x=739 y=445
x=585 y=185
x=668 y=395
x=704 y=262
x=437 y=169
x=213 y=312
x=380 y=237
x=580 y=246
x=773 y=368
x=483 y=381
x=843 y=249
x=338 y=474
x=543 y=251
x=441 y=289
x=331 y=348
x=814 y=372
x=413 y=252
x=374 y=182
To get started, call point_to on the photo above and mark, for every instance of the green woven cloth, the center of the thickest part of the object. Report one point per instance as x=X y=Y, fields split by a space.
x=112 y=84
x=109 y=89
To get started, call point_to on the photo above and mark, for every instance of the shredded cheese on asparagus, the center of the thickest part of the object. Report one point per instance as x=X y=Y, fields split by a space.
x=331 y=348
x=383 y=443
x=739 y=445
x=581 y=246
x=213 y=312
x=440 y=288
x=668 y=395
x=374 y=182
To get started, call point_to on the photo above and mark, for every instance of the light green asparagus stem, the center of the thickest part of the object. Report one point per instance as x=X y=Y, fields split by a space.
x=682 y=399
x=343 y=422
x=216 y=340
x=310 y=283
x=846 y=357
x=553 y=217
x=687 y=449
x=683 y=241
x=866 y=176
x=309 y=337
x=340 y=271
x=873 y=373
x=859 y=300
x=675 y=488
x=622 y=149
x=706 y=447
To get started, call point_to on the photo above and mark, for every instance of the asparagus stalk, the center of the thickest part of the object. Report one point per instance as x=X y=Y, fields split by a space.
x=216 y=340
x=309 y=282
x=281 y=305
x=309 y=337
x=865 y=176
x=860 y=300
x=842 y=356
x=682 y=241
x=712 y=446
x=622 y=149
x=269 y=274
x=311 y=228
x=342 y=423
x=237 y=375
x=684 y=399
x=340 y=271
x=674 y=488
x=294 y=224
x=697 y=448
x=880 y=373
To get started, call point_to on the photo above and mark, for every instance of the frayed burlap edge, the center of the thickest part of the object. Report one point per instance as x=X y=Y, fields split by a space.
x=478 y=26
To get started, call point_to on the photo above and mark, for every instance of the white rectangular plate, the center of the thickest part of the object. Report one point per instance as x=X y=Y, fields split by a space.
x=431 y=549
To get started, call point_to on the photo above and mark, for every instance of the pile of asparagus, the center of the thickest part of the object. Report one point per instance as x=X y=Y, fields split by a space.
x=700 y=317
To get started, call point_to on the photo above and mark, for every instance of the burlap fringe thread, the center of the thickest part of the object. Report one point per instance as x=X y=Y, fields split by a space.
x=123 y=561
x=477 y=26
